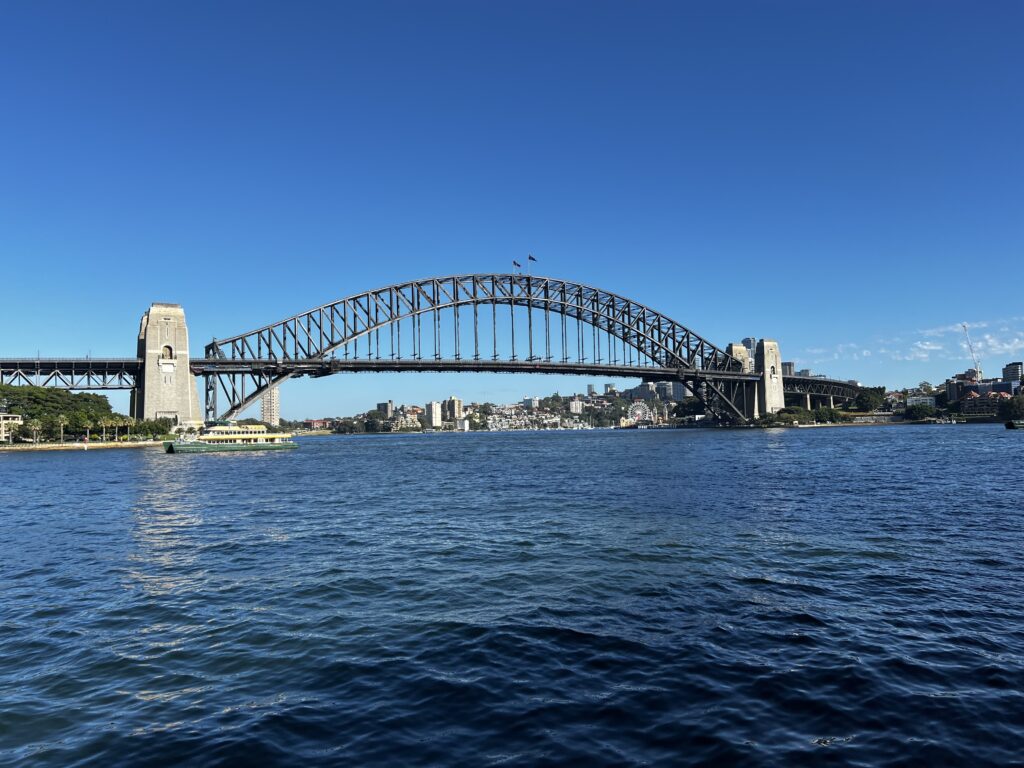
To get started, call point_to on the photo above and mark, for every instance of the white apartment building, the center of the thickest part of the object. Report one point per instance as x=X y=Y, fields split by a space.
x=270 y=407
x=433 y=413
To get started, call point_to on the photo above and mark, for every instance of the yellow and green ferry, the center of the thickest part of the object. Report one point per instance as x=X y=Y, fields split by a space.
x=223 y=436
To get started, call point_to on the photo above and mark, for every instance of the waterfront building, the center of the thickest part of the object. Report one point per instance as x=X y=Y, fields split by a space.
x=576 y=407
x=270 y=407
x=973 y=404
x=318 y=424
x=533 y=403
x=963 y=387
x=400 y=422
x=462 y=425
x=644 y=391
x=920 y=400
x=1013 y=372
x=387 y=410
x=670 y=391
x=9 y=422
x=433 y=414
x=451 y=409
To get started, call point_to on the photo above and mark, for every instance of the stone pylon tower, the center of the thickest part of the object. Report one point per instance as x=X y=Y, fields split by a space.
x=167 y=388
x=771 y=397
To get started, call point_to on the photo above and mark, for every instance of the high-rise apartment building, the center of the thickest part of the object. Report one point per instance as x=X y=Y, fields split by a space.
x=751 y=344
x=788 y=369
x=270 y=407
x=1013 y=371
x=433 y=414
x=387 y=410
x=451 y=409
x=609 y=389
x=591 y=390
x=670 y=390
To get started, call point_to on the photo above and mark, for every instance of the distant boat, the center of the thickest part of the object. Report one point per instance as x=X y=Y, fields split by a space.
x=1015 y=424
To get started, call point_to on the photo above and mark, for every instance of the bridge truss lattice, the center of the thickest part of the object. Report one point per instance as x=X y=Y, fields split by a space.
x=496 y=322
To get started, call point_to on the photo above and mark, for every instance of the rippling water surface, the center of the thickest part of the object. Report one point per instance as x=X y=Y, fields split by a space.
x=840 y=597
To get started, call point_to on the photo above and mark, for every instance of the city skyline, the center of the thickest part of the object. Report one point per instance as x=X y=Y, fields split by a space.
x=830 y=177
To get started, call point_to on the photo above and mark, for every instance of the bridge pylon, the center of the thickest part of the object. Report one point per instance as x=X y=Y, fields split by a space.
x=166 y=388
x=771 y=396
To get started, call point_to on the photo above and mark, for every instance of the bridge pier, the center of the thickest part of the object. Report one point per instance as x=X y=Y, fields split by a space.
x=166 y=388
x=768 y=362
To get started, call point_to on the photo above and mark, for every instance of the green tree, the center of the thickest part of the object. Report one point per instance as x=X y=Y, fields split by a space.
x=828 y=416
x=869 y=399
x=919 y=412
x=62 y=421
x=1012 y=409
x=34 y=426
x=690 y=406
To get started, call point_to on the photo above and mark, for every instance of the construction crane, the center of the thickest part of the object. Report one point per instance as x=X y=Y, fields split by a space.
x=970 y=347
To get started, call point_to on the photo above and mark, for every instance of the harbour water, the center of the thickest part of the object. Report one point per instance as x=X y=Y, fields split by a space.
x=828 y=597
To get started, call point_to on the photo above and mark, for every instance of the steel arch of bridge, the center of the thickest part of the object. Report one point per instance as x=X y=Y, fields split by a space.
x=242 y=368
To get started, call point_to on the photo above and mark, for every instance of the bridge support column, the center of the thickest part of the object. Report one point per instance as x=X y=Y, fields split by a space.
x=751 y=390
x=166 y=388
x=807 y=402
x=768 y=362
x=831 y=402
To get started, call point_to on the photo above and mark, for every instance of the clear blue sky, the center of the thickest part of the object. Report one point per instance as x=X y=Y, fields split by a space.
x=845 y=177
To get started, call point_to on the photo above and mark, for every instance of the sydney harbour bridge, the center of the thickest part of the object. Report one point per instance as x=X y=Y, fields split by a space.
x=497 y=323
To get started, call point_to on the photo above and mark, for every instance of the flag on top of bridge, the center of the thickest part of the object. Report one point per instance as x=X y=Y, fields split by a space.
x=516 y=264
x=530 y=257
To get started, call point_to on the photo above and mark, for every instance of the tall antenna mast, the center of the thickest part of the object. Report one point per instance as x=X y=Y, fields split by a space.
x=974 y=357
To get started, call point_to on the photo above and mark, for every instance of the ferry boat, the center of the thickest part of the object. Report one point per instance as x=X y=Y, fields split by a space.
x=220 y=436
x=1015 y=424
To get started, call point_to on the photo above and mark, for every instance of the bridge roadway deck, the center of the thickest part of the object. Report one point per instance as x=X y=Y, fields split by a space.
x=122 y=372
x=88 y=373
x=317 y=367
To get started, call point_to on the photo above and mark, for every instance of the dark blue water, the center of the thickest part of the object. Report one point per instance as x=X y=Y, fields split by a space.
x=827 y=597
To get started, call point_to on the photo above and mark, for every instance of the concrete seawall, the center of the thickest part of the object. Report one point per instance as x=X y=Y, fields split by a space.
x=77 y=446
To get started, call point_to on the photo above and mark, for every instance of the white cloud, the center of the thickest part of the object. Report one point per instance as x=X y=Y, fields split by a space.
x=991 y=345
x=947 y=342
x=945 y=330
x=919 y=351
